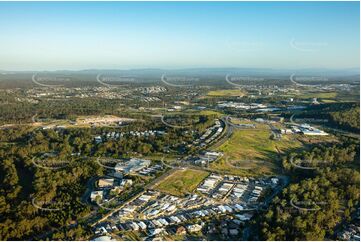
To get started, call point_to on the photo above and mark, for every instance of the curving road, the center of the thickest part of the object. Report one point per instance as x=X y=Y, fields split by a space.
x=228 y=131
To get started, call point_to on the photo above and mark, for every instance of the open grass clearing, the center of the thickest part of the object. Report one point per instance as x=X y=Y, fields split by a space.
x=252 y=152
x=181 y=182
x=229 y=93
x=325 y=95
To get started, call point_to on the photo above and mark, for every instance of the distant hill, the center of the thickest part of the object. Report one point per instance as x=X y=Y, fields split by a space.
x=348 y=75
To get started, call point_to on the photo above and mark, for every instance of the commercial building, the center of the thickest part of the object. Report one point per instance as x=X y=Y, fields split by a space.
x=106 y=182
x=133 y=165
x=96 y=195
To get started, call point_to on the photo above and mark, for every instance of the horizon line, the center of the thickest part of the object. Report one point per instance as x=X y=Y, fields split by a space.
x=181 y=68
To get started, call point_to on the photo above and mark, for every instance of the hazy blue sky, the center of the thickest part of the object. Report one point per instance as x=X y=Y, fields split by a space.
x=79 y=35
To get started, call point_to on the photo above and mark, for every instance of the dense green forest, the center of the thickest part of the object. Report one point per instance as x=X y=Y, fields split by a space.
x=41 y=204
x=347 y=119
x=344 y=153
x=340 y=115
x=24 y=186
x=317 y=200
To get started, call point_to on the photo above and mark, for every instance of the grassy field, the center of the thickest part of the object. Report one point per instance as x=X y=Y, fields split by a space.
x=210 y=112
x=318 y=139
x=327 y=101
x=325 y=95
x=248 y=121
x=230 y=92
x=253 y=152
x=241 y=121
x=181 y=182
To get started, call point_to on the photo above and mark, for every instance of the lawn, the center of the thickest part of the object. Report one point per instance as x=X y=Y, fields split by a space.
x=182 y=182
x=230 y=93
x=252 y=152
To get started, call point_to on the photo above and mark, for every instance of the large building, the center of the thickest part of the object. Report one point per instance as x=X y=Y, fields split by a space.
x=106 y=182
x=96 y=195
x=133 y=165
x=306 y=129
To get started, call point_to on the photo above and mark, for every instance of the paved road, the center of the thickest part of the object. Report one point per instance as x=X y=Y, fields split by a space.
x=89 y=189
x=33 y=118
x=342 y=132
x=158 y=179
x=245 y=234
x=264 y=207
x=227 y=133
x=148 y=186
x=285 y=182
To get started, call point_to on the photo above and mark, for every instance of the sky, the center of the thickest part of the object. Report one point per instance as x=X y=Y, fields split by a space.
x=124 y=35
